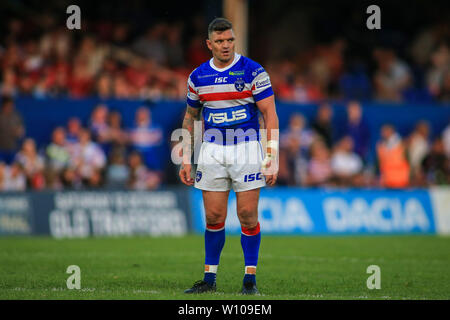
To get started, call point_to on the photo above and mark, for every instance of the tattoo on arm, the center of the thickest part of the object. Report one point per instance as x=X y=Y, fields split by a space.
x=192 y=115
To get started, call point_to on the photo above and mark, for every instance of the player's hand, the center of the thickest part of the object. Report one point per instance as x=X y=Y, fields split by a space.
x=269 y=169
x=185 y=174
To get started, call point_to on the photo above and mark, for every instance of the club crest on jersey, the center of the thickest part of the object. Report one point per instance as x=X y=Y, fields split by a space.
x=198 y=176
x=239 y=84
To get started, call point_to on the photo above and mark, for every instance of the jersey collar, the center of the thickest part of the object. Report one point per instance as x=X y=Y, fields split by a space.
x=237 y=56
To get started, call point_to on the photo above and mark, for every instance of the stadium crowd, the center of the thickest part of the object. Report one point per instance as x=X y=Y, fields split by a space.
x=112 y=60
x=310 y=155
x=115 y=60
x=101 y=153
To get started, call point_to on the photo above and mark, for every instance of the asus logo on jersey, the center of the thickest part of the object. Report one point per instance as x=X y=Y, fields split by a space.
x=222 y=117
x=220 y=80
x=252 y=177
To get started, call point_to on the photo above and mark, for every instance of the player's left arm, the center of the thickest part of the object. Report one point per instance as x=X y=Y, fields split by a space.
x=270 y=163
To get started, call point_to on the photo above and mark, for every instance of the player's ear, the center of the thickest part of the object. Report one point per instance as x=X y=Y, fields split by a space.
x=209 y=44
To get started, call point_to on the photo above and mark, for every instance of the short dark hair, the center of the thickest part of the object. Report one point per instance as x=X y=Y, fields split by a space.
x=219 y=25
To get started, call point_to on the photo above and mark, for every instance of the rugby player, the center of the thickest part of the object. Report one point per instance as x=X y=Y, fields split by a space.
x=229 y=92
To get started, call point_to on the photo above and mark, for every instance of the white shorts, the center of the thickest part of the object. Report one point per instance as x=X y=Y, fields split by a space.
x=225 y=167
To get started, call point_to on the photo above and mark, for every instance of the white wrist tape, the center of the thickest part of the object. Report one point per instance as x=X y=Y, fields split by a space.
x=273 y=144
x=268 y=158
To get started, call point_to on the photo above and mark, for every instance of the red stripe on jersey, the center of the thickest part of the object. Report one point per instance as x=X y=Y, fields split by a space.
x=225 y=96
x=251 y=231
x=192 y=90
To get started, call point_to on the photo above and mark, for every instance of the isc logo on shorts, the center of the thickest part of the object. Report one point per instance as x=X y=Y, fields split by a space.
x=222 y=117
x=252 y=177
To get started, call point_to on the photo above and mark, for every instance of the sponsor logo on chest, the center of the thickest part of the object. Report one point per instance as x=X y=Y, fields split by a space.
x=221 y=117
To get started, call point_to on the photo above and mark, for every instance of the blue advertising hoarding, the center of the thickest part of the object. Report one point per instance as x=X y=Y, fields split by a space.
x=79 y=214
x=327 y=211
x=177 y=211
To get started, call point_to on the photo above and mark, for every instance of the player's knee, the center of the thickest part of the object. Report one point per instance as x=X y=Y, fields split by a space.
x=215 y=216
x=248 y=217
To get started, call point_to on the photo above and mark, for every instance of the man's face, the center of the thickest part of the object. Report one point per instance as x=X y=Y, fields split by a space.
x=221 y=45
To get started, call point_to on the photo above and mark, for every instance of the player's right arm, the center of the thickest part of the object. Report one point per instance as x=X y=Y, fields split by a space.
x=191 y=115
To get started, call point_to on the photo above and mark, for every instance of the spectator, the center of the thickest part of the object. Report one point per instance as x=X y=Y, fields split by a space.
x=322 y=125
x=417 y=148
x=151 y=45
x=121 y=88
x=99 y=125
x=140 y=177
x=446 y=140
x=440 y=60
x=175 y=55
x=73 y=130
x=392 y=76
x=117 y=172
x=70 y=180
x=147 y=139
x=292 y=161
x=11 y=129
x=8 y=86
x=358 y=129
x=2 y=175
x=297 y=128
x=14 y=178
x=319 y=168
x=305 y=90
x=392 y=161
x=117 y=137
x=57 y=153
x=81 y=81
x=32 y=164
x=95 y=179
x=197 y=52
x=346 y=164
x=104 y=86
x=88 y=157
x=436 y=165
x=444 y=95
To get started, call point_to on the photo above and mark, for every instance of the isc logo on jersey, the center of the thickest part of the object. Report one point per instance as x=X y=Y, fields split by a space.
x=221 y=80
x=222 y=117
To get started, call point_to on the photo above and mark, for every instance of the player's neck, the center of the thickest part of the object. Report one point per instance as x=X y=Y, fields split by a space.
x=220 y=65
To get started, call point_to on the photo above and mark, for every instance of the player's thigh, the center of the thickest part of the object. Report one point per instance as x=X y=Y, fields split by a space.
x=247 y=207
x=216 y=203
x=211 y=173
x=245 y=172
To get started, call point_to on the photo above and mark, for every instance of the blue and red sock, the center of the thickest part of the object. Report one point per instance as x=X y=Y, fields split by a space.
x=250 y=242
x=214 y=242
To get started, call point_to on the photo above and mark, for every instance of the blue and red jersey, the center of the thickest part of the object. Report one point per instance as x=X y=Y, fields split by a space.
x=228 y=97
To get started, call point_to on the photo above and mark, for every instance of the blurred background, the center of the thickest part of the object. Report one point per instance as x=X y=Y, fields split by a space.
x=93 y=109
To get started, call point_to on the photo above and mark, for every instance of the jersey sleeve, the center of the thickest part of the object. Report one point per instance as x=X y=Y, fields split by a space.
x=261 y=86
x=193 y=99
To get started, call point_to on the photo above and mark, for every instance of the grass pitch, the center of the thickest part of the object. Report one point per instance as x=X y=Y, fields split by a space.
x=412 y=267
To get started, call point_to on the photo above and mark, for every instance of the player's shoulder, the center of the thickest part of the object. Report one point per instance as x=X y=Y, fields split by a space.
x=251 y=67
x=202 y=71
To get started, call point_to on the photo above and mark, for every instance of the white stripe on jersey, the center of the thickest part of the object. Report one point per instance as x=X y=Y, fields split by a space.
x=216 y=88
x=228 y=103
x=261 y=82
